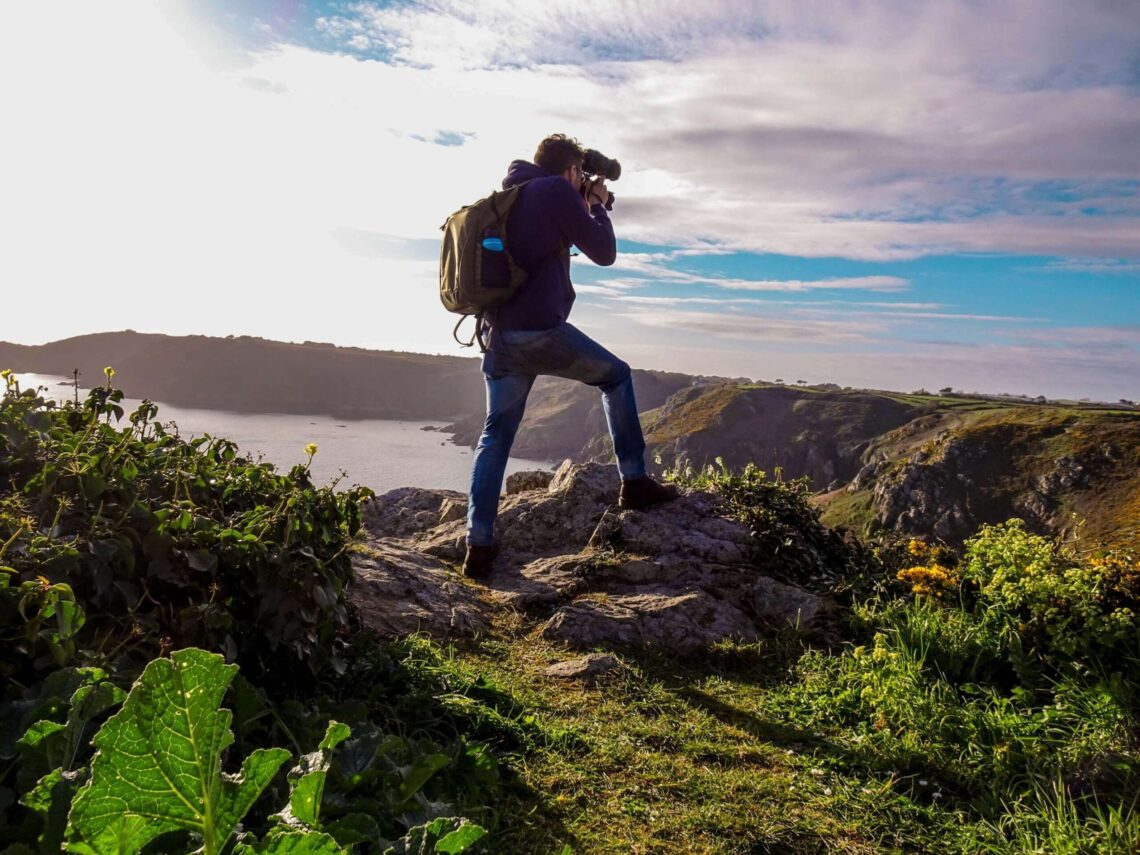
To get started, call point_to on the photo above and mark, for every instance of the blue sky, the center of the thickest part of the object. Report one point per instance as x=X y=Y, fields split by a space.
x=879 y=194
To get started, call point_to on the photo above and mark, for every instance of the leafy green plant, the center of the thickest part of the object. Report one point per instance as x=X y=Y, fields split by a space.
x=158 y=766
x=165 y=543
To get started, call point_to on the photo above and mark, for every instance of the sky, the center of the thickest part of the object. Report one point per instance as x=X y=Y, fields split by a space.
x=880 y=194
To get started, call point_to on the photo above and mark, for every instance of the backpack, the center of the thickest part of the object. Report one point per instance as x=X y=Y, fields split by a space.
x=476 y=272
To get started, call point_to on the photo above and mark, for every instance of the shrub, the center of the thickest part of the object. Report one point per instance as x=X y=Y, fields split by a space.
x=1063 y=606
x=165 y=542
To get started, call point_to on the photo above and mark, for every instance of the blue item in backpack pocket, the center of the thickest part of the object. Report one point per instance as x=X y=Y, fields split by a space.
x=496 y=270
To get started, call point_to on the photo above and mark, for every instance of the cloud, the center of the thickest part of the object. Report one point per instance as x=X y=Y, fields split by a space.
x=884 y=130
x=757 y=328
x=655 y=267
x=1109 y=266
x=851 y=283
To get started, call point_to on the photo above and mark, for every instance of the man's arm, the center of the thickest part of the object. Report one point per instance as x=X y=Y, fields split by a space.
x=592 y=232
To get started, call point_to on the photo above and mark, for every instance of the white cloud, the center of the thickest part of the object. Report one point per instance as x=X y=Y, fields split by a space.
x=156 y=179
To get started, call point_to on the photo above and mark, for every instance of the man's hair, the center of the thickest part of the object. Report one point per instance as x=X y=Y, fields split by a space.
x=557 y=153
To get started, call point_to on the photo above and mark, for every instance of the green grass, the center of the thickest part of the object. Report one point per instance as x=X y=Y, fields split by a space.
x=854 y=511
x=676 y=757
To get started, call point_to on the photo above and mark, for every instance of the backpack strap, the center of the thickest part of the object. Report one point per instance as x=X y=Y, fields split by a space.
x=476 y=336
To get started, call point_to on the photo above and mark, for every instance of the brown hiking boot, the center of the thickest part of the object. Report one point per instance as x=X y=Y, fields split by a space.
x=644 y=492
x=477 y=564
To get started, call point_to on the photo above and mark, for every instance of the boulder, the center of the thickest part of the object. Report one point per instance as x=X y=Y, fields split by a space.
x=678 y=577
x=399 y=591
x=531 y=479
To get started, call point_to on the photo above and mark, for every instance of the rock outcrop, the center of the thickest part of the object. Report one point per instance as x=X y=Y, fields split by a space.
x=678 y=577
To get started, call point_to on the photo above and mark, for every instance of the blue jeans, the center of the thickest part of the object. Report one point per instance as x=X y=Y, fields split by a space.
x=516 y=357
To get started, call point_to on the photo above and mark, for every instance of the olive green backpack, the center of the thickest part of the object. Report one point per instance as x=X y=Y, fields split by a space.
x=476 y=271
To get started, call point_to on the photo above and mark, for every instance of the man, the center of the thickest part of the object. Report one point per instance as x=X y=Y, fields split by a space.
x=528 y=335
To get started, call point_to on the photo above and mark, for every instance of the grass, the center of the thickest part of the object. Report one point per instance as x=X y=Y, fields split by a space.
x=670 y=756
x=855 y=511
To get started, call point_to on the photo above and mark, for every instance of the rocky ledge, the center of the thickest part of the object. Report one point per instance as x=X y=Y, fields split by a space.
x=678 y=577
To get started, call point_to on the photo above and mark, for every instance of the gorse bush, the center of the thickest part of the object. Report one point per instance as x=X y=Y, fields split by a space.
x=996 y=677
x=167 y=543
x=1021 y=599
x=1064 y=606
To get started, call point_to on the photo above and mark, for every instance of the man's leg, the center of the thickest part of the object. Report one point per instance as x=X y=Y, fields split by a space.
x=590 y=363
x=506 y=402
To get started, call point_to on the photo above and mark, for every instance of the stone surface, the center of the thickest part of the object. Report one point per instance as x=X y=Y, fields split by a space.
x=531 y=479
x=452 y=510
x=399 y=591
x=678 y=577
x=588 y=667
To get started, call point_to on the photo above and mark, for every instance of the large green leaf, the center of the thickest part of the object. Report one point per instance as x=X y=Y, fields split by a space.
x=445 y=835
x=158 y=766
x=292 y=843
x=307 y=779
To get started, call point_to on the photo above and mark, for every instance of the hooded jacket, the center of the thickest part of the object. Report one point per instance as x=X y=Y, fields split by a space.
x=547 y=219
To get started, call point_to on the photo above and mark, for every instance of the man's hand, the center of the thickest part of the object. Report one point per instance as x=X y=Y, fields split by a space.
x=598 y=193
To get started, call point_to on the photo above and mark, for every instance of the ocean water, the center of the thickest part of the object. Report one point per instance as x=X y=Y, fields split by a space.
x=377 y=453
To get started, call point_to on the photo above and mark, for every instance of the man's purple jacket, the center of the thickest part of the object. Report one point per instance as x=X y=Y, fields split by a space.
x=547 y=218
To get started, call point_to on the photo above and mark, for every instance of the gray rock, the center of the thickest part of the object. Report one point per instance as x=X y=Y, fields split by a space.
x=531 y=479
x=677 y=577
x=452 y=510
x=678 y=621
x=588 y=667
x=398 y=592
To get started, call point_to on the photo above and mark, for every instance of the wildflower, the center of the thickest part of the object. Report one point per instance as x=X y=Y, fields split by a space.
x=936 y=795
x=311 y=449
x=827 y=791
x=110 y=372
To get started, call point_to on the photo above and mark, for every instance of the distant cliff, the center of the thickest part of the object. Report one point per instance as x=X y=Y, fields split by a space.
x=919 y=464
x=253 y=375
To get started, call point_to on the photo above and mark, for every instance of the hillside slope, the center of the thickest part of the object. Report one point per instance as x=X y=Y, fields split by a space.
x=918 y=464
x=254 y=375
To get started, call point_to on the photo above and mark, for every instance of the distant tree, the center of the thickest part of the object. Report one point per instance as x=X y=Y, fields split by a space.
x=780 y=380
x=920 y=392
x=1127 y=403
x=1040 y=399
x=946 y=390
x=801 y=382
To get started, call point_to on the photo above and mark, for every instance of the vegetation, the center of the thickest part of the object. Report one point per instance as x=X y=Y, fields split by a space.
x=121 y=544
x=981 y=700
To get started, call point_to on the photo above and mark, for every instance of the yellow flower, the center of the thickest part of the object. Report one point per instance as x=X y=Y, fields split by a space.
x=311 y=449
x=6 y=373
x=109 y=371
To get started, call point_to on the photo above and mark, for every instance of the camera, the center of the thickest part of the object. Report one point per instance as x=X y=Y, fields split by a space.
x=594 y=163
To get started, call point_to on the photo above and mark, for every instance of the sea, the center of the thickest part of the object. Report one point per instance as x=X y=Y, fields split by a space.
x=382 y=454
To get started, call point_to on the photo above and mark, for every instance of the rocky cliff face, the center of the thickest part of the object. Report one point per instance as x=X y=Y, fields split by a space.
x=678 y=577
x=1062 y=471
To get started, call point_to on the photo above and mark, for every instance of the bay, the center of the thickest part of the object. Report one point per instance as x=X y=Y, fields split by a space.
x=379 y=453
